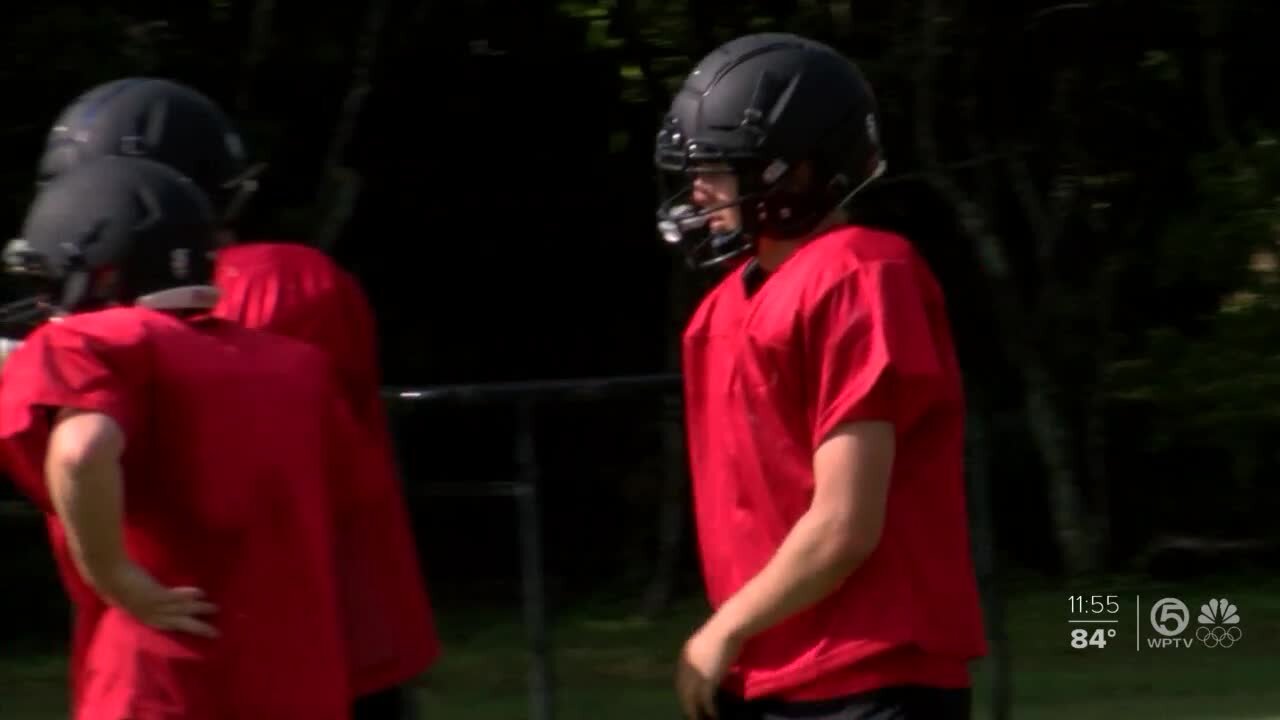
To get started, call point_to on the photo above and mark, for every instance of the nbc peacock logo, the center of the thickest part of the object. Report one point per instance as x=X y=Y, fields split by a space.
x=1219 y=624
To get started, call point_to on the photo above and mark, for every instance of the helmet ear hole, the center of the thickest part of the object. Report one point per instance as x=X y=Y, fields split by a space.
x=798 y=178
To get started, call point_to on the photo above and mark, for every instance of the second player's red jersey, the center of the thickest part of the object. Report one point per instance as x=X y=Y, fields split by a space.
x=300 y=292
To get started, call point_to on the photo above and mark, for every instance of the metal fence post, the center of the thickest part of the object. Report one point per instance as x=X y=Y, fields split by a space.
x=534 y=589
x=986 y=561
x=524 y=488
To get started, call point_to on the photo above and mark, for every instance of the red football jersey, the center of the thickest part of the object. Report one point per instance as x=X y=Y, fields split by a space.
x=298 y=291
x=851 y=327
x=228 y=487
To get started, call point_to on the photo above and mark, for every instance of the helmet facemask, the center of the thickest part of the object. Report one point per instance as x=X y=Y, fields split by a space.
x=686 y=224
x=47 y=292
x=777 y=200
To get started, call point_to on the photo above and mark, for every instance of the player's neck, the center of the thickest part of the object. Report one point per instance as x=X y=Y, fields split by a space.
x=770 y=254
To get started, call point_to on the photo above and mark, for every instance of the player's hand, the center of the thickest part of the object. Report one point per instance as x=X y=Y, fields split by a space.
x=180 y=609
x=703 y=663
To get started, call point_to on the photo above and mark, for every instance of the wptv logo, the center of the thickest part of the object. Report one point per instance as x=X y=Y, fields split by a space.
x=1218 y=624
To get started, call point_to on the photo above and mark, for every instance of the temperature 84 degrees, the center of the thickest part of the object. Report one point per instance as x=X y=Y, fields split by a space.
x=1085 y=638
x=1092 y=621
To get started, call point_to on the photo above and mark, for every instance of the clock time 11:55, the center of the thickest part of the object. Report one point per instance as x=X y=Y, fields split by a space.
x=1095 y=604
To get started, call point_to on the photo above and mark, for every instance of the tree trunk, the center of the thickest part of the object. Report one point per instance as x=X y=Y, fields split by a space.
x=840 y=15
x=344 y=184
x=702 y=15
x=1095 y=449
x=1095 y=422
x=1215 y=102
x=627 y=26
x=1049 y=425
x=259 y=37
x=1051 y=430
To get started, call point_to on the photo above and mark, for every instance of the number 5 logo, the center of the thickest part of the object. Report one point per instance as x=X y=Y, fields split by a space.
x=1169 y=609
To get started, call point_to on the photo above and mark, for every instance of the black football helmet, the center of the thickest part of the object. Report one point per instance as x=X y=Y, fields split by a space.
x=161 y=120
x=759 y=107
x=112 y=231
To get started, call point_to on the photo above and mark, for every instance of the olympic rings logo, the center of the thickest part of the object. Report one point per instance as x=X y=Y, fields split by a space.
x=1218 y=636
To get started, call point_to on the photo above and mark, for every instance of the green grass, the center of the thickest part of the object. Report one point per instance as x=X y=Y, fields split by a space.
x=609 y=666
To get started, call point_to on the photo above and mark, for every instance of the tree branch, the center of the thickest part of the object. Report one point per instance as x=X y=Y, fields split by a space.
x=971 y=218
x=347 y=183
x=628 y=26
x=977 y=143
x=1048 y=218
x=840 y=15
x=982 y=163
x=1044 y=14
x=1211 y=74
x=259 y=37
x=702 y=24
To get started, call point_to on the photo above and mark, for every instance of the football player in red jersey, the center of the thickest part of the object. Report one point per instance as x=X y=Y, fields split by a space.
x=824 y=407
x=186 y=459
x=300 y=292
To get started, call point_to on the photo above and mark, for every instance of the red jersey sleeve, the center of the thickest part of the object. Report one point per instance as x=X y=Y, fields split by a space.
x=871 y=341
x=79 y=364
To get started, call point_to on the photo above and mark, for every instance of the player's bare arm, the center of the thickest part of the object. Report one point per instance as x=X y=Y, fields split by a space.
x=834 y=536
x=82 y=469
